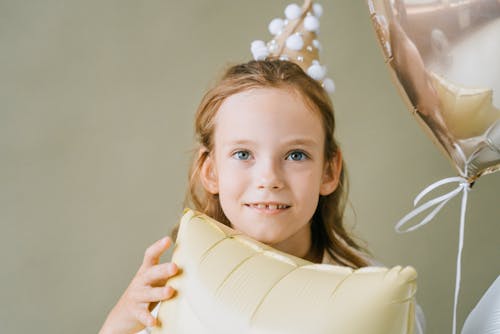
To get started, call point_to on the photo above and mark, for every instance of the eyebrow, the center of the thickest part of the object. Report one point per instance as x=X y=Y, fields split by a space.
x=294 y=141
x=302 y=141
x=239 y=142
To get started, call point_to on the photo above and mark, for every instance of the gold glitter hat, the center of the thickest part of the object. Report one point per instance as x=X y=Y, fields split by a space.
x=295 y=38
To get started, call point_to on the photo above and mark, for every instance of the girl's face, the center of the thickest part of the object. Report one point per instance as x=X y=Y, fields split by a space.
x=268 y=166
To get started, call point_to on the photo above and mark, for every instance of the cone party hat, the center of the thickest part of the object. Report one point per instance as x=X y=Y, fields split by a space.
x=295 y=39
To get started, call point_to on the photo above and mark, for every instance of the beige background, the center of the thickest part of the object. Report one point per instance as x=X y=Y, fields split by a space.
x=96 y=107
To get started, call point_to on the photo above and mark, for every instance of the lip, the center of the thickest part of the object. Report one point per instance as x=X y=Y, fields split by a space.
x=268 y=208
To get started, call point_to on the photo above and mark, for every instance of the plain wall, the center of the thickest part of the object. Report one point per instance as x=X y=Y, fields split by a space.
x=96 y=109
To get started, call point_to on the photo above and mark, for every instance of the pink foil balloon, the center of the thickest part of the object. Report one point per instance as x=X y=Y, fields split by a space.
x=444 y=57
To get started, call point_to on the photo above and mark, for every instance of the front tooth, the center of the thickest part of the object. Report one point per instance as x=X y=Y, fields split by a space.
x=273 y=206
x=261 y=206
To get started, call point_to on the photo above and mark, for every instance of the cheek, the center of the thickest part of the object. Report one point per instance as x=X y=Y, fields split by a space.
x=307 y=181
x=231 y=179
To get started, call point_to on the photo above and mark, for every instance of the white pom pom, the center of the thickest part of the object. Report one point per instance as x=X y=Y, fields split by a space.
x=294 y=42
x=293 y=11
x=258 y=44
x=318 y=9
x=260 y=54
x=317 y=44
x=276 y=26
x=316 y=71
x=259 y=50
x=311 y=23
x=272 y=45
x=329 y=85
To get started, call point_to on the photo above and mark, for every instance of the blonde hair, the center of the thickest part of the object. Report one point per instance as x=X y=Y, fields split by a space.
x=328 y=232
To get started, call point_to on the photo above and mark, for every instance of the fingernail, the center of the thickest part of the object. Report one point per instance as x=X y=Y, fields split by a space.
x=172 y=268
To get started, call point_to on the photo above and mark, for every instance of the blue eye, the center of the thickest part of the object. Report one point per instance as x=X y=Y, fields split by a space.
x=296 y=156
x=242 y=155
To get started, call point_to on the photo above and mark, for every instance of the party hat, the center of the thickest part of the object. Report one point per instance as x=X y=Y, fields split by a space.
x=296 y=39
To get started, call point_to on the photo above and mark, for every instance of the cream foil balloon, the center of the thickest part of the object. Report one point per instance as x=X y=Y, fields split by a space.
x=231 y=284
x=444 y=57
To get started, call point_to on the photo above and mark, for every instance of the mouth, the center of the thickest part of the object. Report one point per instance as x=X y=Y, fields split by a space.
x=268 y=207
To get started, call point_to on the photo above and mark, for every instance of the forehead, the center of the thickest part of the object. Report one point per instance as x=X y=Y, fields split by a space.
x=268 y=113
x=286 y=96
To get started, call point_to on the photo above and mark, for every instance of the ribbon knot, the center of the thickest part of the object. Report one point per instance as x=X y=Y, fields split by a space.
x=439 y=202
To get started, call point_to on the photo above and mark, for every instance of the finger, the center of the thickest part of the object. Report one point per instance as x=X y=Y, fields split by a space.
x=146 y=318
x=154 y=252
x=159 y=274
x=157 y=294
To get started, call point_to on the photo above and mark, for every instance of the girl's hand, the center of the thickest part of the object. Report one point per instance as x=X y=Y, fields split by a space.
x=132 y=312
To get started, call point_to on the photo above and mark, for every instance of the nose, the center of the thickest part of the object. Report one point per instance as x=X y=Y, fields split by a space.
x=269 y=175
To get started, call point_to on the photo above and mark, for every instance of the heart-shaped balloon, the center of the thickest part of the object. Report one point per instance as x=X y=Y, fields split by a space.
x=445 y=59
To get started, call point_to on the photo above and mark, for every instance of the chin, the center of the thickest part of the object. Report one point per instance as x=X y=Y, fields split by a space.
x=264 y=232
x=266 y=238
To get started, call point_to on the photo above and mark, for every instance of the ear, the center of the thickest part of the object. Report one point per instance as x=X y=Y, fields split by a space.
x=208 y=173
x=331 y=175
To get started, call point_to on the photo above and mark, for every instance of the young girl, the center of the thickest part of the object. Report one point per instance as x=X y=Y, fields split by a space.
x=269 y=166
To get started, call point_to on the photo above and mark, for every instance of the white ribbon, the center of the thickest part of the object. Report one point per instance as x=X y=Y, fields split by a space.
x=439 y=203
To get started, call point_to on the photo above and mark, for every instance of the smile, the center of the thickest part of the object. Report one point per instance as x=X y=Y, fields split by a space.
x=268 y=206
